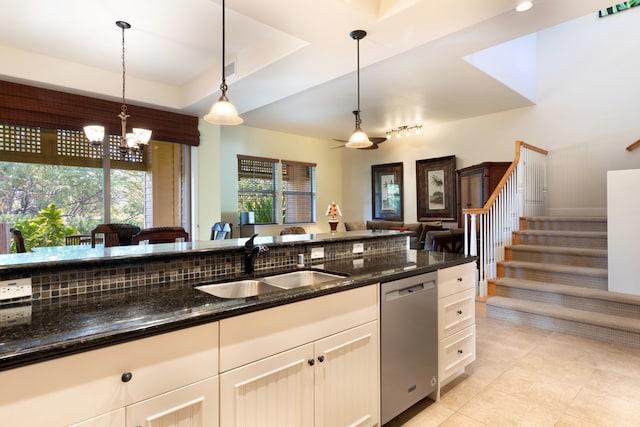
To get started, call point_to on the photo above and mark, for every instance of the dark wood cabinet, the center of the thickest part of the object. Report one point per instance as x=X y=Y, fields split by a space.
x=476 y=183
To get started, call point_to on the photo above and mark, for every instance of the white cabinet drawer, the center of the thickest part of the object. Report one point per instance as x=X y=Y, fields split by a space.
x=456 y=279
x=157 y=365
x=457 y=351
x=456 y=312
x=254 y=336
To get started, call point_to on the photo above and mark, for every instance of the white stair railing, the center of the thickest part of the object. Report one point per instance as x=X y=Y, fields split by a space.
x=521 y=192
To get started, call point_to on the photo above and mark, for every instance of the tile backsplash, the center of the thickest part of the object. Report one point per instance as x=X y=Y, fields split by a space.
x=60 y=281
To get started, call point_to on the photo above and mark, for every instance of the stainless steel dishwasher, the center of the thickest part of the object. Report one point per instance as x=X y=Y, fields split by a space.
x=408 y=342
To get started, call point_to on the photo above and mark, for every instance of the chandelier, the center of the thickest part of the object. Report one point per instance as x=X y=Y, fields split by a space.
x=129 y=140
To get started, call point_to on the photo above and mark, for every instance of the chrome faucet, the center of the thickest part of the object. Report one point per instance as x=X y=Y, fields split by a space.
x=251 y=250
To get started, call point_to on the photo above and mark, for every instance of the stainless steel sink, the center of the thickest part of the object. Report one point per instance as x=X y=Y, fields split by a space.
x=300 y=278
x=238 y=289
x=250 y=287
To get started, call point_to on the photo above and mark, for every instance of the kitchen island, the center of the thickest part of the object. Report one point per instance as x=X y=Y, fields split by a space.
x=164 y=312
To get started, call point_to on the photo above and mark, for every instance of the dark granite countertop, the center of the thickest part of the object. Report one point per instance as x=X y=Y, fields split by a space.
x=103 y=319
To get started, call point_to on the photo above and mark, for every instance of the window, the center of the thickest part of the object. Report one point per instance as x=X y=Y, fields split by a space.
x=298 y=192
x=42 y=166
x=257 y=188
x=259 y=192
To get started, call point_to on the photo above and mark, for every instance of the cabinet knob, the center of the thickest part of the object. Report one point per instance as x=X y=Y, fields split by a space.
x=460 y=351
x=126 y=377
x=320 y=358
x=311 y=362
x=459 y=279
x=459 y=312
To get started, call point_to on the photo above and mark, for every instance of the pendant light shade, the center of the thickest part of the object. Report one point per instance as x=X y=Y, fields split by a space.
x=223 y=112
x=359 y=138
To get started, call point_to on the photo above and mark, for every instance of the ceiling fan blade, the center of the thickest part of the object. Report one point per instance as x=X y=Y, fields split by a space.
x=371 y=147
x=378 y=139
x=375 y=140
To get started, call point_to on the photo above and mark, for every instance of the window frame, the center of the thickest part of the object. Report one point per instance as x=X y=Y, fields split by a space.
x=252 y=168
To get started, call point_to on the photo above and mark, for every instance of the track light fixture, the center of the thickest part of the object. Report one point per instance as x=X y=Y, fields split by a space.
x=406 y=130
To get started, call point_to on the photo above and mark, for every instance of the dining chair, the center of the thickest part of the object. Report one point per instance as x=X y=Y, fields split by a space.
x=293 y=230
x=77 y=239
x=160 y=235
x=221 y=231
x=110 y=236
x=18 y=240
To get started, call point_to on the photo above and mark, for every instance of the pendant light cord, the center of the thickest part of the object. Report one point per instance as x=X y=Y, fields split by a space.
x=223 y=85
x=358 y=72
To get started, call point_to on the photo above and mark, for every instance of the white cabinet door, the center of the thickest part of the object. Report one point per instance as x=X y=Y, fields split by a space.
x=347 y=378
x=276 y=391
x=111 y=419
x=195 y=405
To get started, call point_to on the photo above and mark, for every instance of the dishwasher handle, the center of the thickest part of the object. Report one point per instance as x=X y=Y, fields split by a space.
x=408 y=291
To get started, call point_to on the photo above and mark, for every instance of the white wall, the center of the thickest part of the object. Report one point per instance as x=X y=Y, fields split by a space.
x=585 y=117
x=208 y=180
x=623 y=231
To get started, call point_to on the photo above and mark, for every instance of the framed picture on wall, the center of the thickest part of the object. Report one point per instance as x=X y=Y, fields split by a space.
x=386 y=188
x=436 y=186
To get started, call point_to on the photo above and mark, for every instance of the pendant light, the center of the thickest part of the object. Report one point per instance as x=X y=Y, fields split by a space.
x=223 y=112
x=359 y=138
x=138 y=136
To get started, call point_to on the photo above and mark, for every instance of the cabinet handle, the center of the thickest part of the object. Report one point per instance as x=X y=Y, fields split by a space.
x=126 y=377
x=459 y=312
x=311 y=362
x=321 y=359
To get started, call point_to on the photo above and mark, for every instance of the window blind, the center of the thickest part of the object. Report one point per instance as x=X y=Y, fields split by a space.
x=62 y=147
x=298 y=192
x=31 y=106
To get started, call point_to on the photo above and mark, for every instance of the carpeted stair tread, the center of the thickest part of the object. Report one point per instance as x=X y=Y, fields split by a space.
x=563 y=233
x=566 y=218
x=558 y=268
x=581 y=316
x=569 y=290
x=560 y=250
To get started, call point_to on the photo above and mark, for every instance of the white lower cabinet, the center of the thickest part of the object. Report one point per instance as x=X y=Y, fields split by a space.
x=96 y=388
x=330 y=382
x=310 y=363
x=456 y=321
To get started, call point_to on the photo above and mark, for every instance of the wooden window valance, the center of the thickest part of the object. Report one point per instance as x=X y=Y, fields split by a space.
x=31 y=106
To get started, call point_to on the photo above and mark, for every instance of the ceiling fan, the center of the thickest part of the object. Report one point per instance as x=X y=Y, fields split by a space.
x=376 y=140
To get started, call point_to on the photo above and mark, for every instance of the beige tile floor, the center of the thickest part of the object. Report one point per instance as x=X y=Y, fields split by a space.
x=525 y=376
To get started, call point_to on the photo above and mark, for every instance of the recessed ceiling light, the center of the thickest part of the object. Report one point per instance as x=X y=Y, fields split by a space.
x=524 y=6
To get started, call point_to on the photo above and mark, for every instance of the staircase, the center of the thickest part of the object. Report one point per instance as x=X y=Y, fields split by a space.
x=554 y=277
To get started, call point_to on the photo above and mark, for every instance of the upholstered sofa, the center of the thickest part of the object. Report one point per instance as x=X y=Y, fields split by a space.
x=422 y=233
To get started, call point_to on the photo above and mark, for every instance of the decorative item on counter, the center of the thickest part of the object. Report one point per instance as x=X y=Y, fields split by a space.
x=333 y=211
